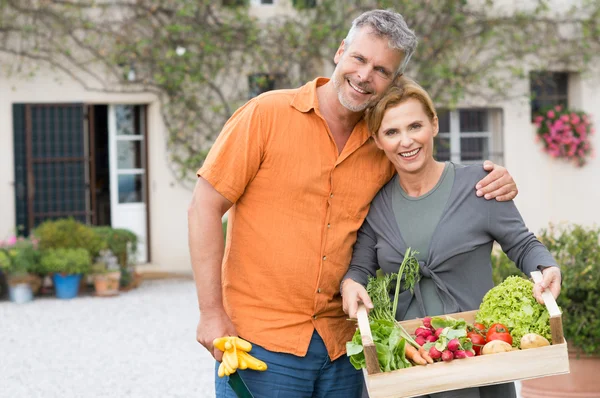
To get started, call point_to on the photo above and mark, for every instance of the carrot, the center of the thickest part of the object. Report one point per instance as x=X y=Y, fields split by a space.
x=425 y=355
x=413 y=354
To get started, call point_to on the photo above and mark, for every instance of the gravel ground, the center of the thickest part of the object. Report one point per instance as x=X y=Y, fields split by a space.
x=139 y=344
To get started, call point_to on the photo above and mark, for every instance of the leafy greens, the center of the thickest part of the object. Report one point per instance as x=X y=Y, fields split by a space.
x=512 y=304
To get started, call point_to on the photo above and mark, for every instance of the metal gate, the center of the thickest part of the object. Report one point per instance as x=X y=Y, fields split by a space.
x=53 y=163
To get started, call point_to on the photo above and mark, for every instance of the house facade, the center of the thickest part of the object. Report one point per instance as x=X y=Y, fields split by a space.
x=101 y=158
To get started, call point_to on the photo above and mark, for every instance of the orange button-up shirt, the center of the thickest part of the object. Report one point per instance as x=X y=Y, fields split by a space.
x=297 y=207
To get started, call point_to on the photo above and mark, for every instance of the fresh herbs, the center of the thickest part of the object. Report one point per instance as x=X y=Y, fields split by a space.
x=389 y=336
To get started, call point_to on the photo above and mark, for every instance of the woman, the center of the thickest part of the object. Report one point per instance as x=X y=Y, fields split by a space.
x=431 y=207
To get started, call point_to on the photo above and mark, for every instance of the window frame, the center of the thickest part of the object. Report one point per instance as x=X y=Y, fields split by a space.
x=492 y=131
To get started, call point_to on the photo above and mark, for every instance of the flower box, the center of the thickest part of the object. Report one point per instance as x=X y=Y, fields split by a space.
x=468 y=372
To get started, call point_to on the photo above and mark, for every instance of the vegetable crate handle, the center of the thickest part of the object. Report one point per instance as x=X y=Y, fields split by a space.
x=555 y=314
x=369 y=348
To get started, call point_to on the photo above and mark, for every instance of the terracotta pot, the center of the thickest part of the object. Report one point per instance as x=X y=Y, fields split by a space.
x=107 y=284
x=582 y=382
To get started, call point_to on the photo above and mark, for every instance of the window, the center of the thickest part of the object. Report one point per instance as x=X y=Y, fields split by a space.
x=548 y=89
x=266 y=1
x=259 y=83
x=304 y=3
x=469 y=136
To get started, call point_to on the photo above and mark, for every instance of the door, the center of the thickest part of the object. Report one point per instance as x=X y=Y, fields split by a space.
x=127 y=161
x=53 y=160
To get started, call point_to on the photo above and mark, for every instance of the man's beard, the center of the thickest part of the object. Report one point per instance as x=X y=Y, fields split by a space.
x=338 y=83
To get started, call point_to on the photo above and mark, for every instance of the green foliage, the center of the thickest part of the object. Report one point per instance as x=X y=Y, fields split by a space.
x=577 y=251
x=66 y=261
x=511 y=303
x=190 y=52
x=5 y=262
x=224 y=229
x=21 y=257
x=121 y=242
x=68 y=233
x=389 y=344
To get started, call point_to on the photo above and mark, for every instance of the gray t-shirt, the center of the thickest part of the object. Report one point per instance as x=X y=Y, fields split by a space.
x=417 y=218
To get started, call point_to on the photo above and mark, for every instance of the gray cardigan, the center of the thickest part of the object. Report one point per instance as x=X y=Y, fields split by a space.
x=459 y=253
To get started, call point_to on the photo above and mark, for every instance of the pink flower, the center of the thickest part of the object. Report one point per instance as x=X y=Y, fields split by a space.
x=550 y=114
x=558 y=108
x=11 y=241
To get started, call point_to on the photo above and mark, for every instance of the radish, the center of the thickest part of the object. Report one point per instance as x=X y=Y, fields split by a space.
x=420 y=340
x=438 y=331
x=423 y=332
x=427 y=322
x=447 y=356
x=453 y=345
x=459 y=354
x=431 y=339
x=434 y=353
x=470 y=353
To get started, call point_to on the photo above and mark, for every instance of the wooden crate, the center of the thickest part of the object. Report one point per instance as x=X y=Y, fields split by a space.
x=468 y=372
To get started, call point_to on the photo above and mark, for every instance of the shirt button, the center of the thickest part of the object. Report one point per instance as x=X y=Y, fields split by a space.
x=319 y=290
x=328 y=225
x=314 y=317
x=324 y=258
x=331 y=195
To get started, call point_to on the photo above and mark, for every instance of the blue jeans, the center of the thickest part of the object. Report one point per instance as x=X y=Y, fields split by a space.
x=290 y=376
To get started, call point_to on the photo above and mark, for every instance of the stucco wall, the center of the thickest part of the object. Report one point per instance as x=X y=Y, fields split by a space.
x=168 y=199
x=553 y=190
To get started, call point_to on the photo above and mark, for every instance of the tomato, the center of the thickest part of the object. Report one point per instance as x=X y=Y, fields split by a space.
x=480 y=327
x=478 y=341
x=499 y=332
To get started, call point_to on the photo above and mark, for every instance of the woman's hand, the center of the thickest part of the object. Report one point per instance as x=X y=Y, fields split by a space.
x=551 y=278
x=353 y=293
x=498 y=184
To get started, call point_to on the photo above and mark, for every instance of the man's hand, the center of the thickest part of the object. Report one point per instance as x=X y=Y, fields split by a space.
x=497 y=184
x=212 y=325
x=353 y=293
x=551 y=278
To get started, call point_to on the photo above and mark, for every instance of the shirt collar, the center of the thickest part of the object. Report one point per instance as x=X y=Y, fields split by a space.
x=306 y=98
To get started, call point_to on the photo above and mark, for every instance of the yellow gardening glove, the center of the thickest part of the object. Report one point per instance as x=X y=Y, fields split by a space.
x=235 y=355
x=240 y=344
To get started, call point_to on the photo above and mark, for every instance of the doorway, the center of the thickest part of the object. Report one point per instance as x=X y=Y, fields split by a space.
x=83 y=161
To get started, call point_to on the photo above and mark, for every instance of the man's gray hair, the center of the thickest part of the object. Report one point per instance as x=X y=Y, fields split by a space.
x=388 y=24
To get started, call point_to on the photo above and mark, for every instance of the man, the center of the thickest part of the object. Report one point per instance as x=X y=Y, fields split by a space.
x=298 y=169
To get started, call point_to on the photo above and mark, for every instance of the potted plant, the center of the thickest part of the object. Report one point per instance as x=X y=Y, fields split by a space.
x=106 y=274
x=565 y=133
x=577 y=251
x=19 y=259
x=123 y=244
x=67 y=233
x=66 y=266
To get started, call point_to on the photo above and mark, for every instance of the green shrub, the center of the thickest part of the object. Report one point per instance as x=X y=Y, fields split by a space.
x=5 y=263
x=66 y=261
x=577 y=251
x=121 y=242
x=20 y=256
x=66 y=233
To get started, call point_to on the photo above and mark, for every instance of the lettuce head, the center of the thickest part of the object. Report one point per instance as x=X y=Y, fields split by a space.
x=512 y=304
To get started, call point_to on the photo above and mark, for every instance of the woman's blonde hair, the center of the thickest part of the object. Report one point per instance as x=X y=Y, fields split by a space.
x=402 y=90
